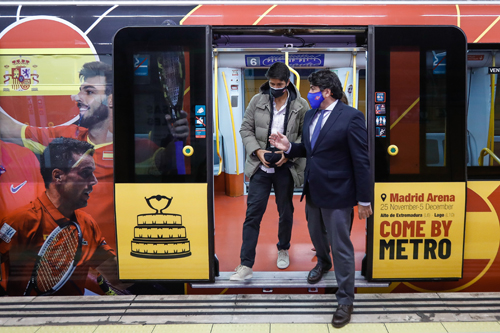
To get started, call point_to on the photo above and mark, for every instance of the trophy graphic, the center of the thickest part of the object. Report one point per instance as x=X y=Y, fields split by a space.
x=160 y=235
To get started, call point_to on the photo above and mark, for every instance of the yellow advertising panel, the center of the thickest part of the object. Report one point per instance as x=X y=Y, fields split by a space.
x=418 y=234
x=162 y=231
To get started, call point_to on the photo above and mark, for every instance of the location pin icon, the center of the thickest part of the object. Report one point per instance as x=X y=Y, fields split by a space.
x=383 y=196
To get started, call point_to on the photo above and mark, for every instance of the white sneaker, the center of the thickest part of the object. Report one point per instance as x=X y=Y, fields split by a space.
x=283 y=259
x=242 y=273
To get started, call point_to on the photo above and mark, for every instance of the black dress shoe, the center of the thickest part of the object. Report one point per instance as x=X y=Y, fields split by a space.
x=342 y=316
x=316 y=273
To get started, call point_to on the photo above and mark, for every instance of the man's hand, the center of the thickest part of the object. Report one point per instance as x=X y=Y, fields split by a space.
x=283 y=159
x=180 y=128
x=364 y=212
x=280 y=141
x=260 y=154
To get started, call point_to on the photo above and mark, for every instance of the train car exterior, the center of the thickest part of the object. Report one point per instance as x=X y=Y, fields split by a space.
x=45 y=94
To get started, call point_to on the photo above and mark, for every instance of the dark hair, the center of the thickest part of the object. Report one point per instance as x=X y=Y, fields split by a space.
x=98 y=68
x=327 y=79
x=59 y=155
x=279 y=71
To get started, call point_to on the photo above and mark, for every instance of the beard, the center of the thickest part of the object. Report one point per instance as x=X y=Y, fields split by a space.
x=100 y=114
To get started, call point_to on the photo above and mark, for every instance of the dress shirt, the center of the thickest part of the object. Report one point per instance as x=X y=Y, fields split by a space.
x=328 y=111
x=277 y=125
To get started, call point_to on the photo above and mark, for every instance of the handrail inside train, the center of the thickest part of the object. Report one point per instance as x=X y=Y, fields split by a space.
x=297 y=75
x=216 y=110
x=487 y=151
x=232 y=123
x=354 y=79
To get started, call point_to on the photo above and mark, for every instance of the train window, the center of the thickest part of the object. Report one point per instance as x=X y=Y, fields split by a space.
x=483 y=130
x=413 y=114
x=168 y=109
x=483 y=120
x=435 y=113
x=418 y=108
x=159 y=105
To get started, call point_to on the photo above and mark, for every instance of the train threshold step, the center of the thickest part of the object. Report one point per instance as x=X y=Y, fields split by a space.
x=285 y=280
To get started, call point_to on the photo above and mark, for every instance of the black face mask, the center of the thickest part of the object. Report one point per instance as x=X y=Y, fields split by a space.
x=277 y=92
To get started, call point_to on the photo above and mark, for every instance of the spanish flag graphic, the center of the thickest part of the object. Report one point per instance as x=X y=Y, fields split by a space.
x=40 y=58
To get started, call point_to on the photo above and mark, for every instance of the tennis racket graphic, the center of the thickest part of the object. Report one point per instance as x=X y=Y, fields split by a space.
x=171 y=69
x=56 y=260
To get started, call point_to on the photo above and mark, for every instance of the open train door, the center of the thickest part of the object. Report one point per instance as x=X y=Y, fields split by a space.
x=417 y=125
x=163 y=153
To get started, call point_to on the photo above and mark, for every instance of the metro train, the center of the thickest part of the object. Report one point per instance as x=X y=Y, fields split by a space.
x=424 y=75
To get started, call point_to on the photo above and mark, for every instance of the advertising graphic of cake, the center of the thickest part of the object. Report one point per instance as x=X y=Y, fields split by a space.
x=160 y=235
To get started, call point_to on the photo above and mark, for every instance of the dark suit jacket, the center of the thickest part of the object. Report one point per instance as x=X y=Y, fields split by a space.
x=337 y=173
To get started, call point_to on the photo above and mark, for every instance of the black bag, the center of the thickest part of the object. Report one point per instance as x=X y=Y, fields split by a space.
x=272 y=159
x=274 y=156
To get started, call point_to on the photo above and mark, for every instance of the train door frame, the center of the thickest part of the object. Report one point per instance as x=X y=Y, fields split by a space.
x=389 y=177
x=348 y=52
x=184 y=234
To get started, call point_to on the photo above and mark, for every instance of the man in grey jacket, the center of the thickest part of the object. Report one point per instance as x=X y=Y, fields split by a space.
x=278 y=107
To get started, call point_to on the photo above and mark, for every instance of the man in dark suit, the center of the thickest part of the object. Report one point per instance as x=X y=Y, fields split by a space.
x=337 y=177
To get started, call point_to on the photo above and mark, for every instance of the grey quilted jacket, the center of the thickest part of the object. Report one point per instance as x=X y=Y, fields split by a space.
x=255 y=128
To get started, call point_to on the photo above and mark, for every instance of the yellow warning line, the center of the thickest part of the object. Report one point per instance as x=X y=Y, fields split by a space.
x=224 y=291
x=187 y=90
x=487 y=29
x=189 y=14
x=458 y=15
x=263 y=15
x=404 y=113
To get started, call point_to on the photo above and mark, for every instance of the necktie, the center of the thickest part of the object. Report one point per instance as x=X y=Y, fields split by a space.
x=317 y=129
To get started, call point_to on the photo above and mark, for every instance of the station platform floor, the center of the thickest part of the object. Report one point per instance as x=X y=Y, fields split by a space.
x=373 y=313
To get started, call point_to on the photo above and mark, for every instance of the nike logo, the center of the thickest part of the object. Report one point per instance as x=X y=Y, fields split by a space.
x=18 y=187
